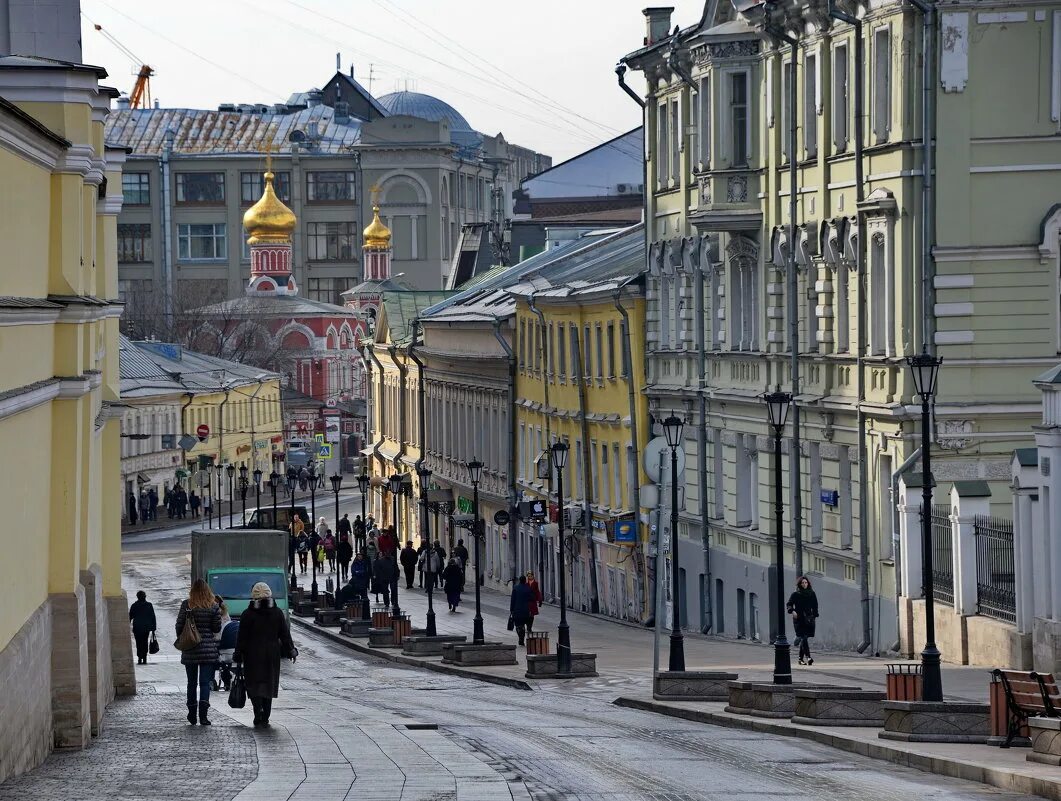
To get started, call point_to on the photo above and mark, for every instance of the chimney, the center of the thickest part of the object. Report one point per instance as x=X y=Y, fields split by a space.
x=351 y=69
x=313 y=98
x=338 y=63
x=657 y=23
x=122 y=103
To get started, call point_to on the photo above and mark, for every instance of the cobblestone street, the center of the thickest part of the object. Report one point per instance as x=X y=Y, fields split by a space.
x=347 y=726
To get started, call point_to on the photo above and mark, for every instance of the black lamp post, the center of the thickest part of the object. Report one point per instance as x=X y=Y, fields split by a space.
x=563 y=631
x=313 y=492
x=778 y=404
x=210 y=487
x=274 y=481
x=672 y=429
x=231 y=470
x=337 y=484
x=925 y=370
x=244 y=485
x=292 y=482
x=475 y=468
x=396 y=491
x=257 y=474
x=220 y=495
x=362 y=484
x=425 y=535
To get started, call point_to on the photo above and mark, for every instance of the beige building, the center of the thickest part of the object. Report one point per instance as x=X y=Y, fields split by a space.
x=877 y=266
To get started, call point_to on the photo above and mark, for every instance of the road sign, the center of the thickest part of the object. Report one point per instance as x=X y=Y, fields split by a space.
x=324 y=451
x=318 y=438
x=202 y=432
x=501 y=517
x=187 y=443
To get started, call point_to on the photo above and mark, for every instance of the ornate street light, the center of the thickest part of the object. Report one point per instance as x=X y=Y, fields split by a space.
x=425 y=481
x=337 y=484
x=778 y=404
x=672 y=430
x=475 y=468
x=231 y=470
x=292 y=482
x=924 y=368
x=274 y=482
x=362 y=484
x=210 y=487
x=244 y=485
x=396 y=491
x=563 y=632
x=257 y=474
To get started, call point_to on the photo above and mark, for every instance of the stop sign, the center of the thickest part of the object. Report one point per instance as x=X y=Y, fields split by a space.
x=202 y=432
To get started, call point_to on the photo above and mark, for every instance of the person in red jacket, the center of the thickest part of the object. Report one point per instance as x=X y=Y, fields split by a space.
x=535 y=600
x=386 y=542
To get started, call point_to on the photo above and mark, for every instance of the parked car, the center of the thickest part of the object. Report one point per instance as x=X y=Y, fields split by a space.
x=263 y=517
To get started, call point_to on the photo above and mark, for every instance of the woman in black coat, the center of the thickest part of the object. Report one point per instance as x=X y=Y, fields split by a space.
x=803 y=606
x=263 y=640
x=453 y=583
x=199 y=661
x=142 y=616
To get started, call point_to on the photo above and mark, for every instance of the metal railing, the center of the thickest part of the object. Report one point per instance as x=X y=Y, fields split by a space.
x=996 y=591
x=942 y=555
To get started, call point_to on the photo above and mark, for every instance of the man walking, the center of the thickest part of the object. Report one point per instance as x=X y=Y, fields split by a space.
x=408 y=560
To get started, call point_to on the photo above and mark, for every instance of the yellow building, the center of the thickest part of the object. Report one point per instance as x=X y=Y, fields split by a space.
x=64 y=637
x=580 y=380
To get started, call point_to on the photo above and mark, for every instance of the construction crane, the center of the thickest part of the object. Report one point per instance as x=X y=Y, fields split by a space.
x=140 y=97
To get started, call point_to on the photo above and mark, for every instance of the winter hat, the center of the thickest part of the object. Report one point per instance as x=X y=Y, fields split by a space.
x=261 y=590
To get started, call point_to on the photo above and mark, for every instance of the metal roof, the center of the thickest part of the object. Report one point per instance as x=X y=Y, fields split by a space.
x=142 y=376
x=402 y=308
x=276 y=306
x=201 y=132
x=426 y=107
x=151 y=368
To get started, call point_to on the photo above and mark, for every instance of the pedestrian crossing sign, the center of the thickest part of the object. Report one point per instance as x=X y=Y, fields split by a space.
x=324 y=451
x=318 y=438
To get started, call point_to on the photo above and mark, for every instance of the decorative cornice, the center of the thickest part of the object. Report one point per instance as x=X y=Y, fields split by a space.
x=77 y=159
x=27 y=397
x=22 y=140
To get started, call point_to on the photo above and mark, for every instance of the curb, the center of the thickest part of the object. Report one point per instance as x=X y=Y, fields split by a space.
x=1002 y=778
x=412 y=661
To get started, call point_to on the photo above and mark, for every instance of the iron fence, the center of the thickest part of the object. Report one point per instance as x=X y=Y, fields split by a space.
x=996 y=591
x=942 y=555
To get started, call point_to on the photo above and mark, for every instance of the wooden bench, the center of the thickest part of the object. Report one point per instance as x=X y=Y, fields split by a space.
x=1028 y=694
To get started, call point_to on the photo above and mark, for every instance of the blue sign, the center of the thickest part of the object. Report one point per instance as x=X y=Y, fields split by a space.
x=830 y=497
x=625 y=531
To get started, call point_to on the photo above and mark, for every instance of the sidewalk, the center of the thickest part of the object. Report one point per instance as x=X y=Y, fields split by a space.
x=624 y=664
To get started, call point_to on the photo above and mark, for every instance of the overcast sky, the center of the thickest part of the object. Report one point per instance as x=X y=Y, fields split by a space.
x=526 y=69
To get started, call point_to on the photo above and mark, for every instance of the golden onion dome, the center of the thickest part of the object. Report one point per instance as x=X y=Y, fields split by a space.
x=377 y=235
x=269 y=220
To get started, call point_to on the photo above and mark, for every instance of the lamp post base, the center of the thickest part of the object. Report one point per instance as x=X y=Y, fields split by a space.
x=563 y=648
x=677 y=652
x=782 y=661
x=477 y=629
x=931 y=675
x=313 y=591
x=431 y=631
x=366 y=608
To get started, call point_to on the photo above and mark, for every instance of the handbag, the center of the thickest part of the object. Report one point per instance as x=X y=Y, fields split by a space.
x=511 y=623
x=237 y=694
x=152 y=647
x=189 y=637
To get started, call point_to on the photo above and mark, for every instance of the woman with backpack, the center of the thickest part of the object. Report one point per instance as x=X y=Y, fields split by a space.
x=198 y=620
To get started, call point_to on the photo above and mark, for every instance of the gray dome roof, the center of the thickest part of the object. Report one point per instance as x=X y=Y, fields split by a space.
x=426 y=107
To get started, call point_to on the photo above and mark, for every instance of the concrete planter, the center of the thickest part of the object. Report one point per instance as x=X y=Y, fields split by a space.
x=936 y=722
x=740 y=697
x=330 y=617
x=356 y=628
x=692 y=685
x=381 y=638
x=543 y=666
x=834 y=707
x=765 y=700
x=1046 y=740
x=430 y=646
x=487 y=653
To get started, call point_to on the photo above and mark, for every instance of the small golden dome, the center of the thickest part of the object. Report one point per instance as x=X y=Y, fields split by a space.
x=269 y=220
x=377 y=235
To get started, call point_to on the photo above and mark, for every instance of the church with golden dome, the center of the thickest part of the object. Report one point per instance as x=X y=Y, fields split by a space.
x=270 y=225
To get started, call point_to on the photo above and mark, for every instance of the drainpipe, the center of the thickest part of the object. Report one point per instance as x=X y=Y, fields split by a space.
x=513 y=492
x=377 y=443
x=546 y=415
x=587 y=470
x=184 y=427
x=167 y=211
x=402 y=373
x=896 y=553
x=631 y=398
x=254 y=449
x=421 y=402
x=928 y=198
x=795 y=457
x=701 y=434
x=620 y=73
x=860 y=196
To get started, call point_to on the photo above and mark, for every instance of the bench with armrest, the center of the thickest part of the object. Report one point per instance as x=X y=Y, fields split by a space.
x=1028 y=694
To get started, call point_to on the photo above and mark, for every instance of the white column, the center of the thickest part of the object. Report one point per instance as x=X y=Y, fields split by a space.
x=1023 y=558
x=1047 y=551
x=910 y=562
x=967 y=499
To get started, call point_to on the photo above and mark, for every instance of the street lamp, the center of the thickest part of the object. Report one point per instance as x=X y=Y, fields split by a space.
x=337 y=483
x=425 y=480
x=475 y=468
x=292 y=482
x=925 y=369
x=244 y=485
x=396 y=491
x=563 y=632
x=210 y=487
x=778 y=404
x=274 y=482
x=220 y=495
x=672 y=430
x=312 y=469
x=258 y=491
x=231 y=470
x=362 y=484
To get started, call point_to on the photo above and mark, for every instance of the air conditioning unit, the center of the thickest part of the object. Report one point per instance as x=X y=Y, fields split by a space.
x=574 y=517
x=623 y=189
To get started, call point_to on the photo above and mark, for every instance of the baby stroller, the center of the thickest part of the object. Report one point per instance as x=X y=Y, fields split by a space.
x=225 y=649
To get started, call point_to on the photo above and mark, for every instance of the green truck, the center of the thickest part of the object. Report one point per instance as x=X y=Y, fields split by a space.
x=233 y=560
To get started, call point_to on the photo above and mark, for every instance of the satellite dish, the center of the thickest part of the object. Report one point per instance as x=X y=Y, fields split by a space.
x=657 y=447
x=297 y=136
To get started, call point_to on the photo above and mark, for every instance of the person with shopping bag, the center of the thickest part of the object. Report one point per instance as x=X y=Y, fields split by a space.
x=142 y=618
x=264 y=639
x=198 y=621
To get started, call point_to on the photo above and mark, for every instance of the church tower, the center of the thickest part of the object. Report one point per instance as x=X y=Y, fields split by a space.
x=270 y=224
x=377 y=249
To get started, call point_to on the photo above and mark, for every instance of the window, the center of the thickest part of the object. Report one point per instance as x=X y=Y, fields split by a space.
x=252 y=184
x=169 y=442
x=201 y=242
x=587 y=353
x=330 y=241
x=136 y=188
x=134 y=243
x=605 y=498
x=575 y=370
x=882 y=84
x=245 y=248
x=329 y=186
x=878 y=285
x=704 y=122
x=611 y=350
x=662 y=146
x=329 y=290
x=200 y=187
x=675 y=138
x=623 y=347
x=738 y=118
x=600 y=354
x=617 y=478
x=783 y=133
x=810 y=105
x=522 y=344
x=841 y=100
x=550 y=355
x=561 y=353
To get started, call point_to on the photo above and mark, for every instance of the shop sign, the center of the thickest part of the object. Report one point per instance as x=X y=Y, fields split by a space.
x=464 y=505
x=625 y=531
